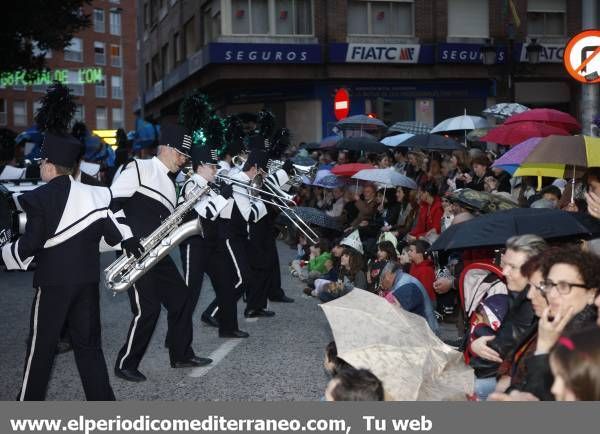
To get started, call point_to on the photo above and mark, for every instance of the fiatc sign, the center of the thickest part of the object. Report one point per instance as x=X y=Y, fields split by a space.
x=383 y=53
x=341 y=104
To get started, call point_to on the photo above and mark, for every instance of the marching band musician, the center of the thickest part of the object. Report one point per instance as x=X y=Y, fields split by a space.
x=65 y=223
x=198 y=254
x=144 y=195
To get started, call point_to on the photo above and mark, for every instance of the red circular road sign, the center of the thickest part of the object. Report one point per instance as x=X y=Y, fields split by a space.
x=341 y=104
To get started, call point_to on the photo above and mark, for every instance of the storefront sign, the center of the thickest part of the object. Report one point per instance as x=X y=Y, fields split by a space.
x=466 y=53
x=380 y=53
x=551 y=53
x=65 y=76
x=264 y=53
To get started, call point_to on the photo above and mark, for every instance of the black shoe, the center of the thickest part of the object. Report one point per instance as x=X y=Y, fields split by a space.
x=130 y=375
x=234 y=334
x=282 y=299
x=63 y=347
x=192 y=362
x=209 y=320
x=255 y=313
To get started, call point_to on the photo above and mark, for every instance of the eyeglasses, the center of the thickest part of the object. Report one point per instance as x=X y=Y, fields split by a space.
x=562 y=287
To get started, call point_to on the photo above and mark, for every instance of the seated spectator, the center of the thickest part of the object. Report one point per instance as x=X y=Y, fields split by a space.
x=385 y=252
x=333 y=364
x=337 y=207
x=366 y=206
x=354 y=385
x=552 y=194
x=400 y=218
x=409 y=293
x=414 y=166
x=321 y=283
x=575 y=365
x=475 y=181
x=315 y=267
x=421 y=265
x=351 y=276
x=429 y=221
x=502 y=178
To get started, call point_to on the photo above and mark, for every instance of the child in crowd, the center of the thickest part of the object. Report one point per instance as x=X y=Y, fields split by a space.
x=351 y=276
x=421 y=266
x=575 y=364
x=315 y=267
x=385 y=252
x=354 y=385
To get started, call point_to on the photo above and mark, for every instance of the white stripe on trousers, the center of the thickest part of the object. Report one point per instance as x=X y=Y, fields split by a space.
x=237 y=269
x=187 y=265
x=33 y=339
x=135 y=321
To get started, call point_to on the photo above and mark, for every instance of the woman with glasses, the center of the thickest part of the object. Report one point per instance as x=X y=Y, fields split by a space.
x=563 y=284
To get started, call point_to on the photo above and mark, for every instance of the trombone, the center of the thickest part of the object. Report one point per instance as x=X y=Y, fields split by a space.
x=279 y=199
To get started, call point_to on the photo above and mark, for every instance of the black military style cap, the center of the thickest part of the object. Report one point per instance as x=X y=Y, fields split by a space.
x=61 y=149
x=176 y=136
x=204 y=155
x=258 y=157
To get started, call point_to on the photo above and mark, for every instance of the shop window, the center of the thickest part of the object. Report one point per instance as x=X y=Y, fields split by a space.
x=546 y=18
x=381 y=17
x=468 y=19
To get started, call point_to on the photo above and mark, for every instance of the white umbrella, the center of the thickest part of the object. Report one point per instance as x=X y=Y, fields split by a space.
x=386 y=177
x=464 y=122
x=505 y=110
x=396 y=140
x=318 y=177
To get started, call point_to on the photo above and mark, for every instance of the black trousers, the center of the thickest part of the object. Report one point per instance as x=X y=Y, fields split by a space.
x=162 y=285
x=79 y=307
x=274 y=290
x=199 y=258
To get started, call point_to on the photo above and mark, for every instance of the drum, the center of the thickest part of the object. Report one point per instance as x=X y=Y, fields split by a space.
x=9 y=217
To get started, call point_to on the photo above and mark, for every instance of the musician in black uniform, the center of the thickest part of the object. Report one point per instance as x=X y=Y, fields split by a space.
x=201 y=254
x=65 y=222
x=144 y=195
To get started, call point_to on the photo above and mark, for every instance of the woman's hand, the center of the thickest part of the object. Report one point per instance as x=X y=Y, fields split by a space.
x=593 y=203
x=442 y=285
x=550 y=328
x=480 y=348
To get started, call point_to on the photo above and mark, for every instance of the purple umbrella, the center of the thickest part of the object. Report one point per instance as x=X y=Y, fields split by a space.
x=514 y=158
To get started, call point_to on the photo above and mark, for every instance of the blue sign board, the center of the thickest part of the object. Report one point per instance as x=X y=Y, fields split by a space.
x=381 y=53
x=264 y=53
x=466 y=53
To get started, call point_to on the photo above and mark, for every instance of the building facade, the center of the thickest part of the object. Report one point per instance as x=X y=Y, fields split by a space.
x=399 y=59
x=99 y=65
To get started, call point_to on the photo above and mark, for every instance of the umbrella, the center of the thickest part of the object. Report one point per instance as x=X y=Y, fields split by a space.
x=365 y=144
x=330 y=181
x=412 y=127
x=549 y=116
x=583 y=151
x=302 y=161
x=398 y=347
x=317 y=217
x=504 y=110
x=362 y=121
x=477 y=134
x=350 y=168
x=515 y=133
x=387 y=177
x=432 y=141
x=396 y=140
x=480 y=201
x=329 y=142
x=492 y=230
x=464 y=122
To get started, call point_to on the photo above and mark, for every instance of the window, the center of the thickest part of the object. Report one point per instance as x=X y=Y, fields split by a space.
x=36 y=106
x=468 y=18
x=20 y=113
x=177 y=51
x=546 y=17
x=116 y=85
x=250 y=17
x=164 y=58
x=3 y=119
x=115 y=23
x=381 y=17
x=293 y=17
x=211 y=25
x=117 y=118
x=147 y=76
x=101 y=118
x=74 y=51
x=79 y=113
x=100 y=53
x=155 y=69
x=37 y=52
x=99 y=21
x=153 y=12
x=146 y=15
x=74 y=83
x=115 y=56
x=190 y=38
x=101 y=89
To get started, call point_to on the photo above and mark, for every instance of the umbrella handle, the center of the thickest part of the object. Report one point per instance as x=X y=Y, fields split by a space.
x=573 y=187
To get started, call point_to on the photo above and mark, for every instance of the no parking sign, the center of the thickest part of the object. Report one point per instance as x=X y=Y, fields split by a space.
x=582 y=57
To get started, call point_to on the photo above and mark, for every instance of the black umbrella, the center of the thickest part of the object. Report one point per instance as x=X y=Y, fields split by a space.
x=317 y=217
x=365 y=144
x=492 y=230
x=432 y=141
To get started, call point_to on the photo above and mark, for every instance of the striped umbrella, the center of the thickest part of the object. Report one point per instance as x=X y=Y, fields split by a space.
x=412 y=127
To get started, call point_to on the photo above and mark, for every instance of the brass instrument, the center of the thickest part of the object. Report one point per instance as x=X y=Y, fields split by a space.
x=126 y=270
